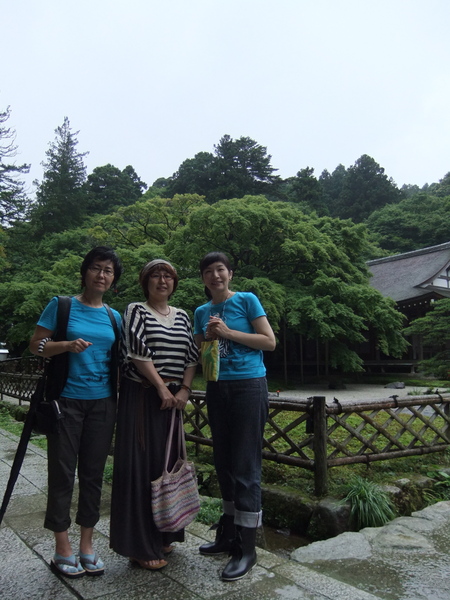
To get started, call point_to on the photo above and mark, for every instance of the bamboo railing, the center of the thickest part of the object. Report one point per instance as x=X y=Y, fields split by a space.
x=308 y=432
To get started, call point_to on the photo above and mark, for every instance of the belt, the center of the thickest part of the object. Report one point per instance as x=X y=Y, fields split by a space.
x=146 y=383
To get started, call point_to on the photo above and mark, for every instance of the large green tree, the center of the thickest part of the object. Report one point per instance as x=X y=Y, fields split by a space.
x=237 y=167
x=416 y=222
x=108 y=187
x=198 y=175
x=440 y=189
x=364 y=188
x=308 y=271
x=306 y=190
x=14 y=203
x=149 y=220
x=61 y=199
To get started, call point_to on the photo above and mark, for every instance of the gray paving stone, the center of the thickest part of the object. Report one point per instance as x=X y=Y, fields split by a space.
x=408 y=559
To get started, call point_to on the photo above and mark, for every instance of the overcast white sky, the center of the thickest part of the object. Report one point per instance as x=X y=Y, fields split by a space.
x=150 y=83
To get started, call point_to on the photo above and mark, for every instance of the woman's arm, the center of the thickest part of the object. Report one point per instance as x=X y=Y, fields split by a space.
x=199 y=338
x=52 y=348
x=262 y=339
x=182 y=396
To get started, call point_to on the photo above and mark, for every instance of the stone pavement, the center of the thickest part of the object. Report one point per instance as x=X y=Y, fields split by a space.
x=405 y=560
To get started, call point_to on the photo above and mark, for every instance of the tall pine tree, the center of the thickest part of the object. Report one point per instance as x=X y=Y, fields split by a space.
x=13 y=200
x=61 y=198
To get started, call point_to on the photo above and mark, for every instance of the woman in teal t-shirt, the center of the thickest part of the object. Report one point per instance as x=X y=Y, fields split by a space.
x=88 y=404
x=237 y=409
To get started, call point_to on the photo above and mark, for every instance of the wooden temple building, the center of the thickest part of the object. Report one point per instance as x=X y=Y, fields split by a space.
x=414 y=280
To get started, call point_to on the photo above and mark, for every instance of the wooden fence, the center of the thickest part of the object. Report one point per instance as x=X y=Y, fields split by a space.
x=308 y=432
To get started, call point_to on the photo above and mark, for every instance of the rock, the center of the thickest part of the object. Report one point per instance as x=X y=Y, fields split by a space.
x=286 y=508
x=343 y=547
x=398 y=537
x=330 y=518
x=396 y=385
x=435 y=512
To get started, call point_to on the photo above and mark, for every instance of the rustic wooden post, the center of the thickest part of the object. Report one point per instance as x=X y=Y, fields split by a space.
x=197 y=423
x=446 y=410
x=320 y=446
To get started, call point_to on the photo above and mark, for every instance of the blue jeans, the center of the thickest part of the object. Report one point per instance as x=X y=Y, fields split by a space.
x=237 y=412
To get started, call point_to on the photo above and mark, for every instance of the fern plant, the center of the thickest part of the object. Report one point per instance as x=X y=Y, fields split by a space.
x=370 y=504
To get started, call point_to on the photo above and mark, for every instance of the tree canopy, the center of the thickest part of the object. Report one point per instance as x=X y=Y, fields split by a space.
x=364 y=188
x=14 y=203
x=308 y=271
x=60 y=196
x=416 y=222
x=300 y=244
x=108 y=187
x=237 y=167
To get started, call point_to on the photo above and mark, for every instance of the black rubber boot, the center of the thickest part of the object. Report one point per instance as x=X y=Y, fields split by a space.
x=225 y=534
x=243 y=554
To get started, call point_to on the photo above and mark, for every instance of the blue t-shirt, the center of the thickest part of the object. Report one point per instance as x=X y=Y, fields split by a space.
x=237 y=361
x=89 y=371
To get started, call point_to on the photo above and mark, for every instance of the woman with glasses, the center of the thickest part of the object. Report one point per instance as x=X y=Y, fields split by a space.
x=88 y=405
x=237 y=409
x=159 y=357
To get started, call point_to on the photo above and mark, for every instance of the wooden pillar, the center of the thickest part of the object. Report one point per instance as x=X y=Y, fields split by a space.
x=317 y=358
x=302 y=378
x=285 y=353
x=320 y=446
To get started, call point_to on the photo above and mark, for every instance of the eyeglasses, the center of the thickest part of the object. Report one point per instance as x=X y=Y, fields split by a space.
x=165 y=276
x=97 y=270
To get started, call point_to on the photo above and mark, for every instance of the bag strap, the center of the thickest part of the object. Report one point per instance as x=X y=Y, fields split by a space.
x=57 y=368
x=113 y=321
x=64 y=304
x=181 y=441
x=114 y=365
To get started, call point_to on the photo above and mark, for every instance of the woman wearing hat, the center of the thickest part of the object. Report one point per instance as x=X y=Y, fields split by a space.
x=159 y=361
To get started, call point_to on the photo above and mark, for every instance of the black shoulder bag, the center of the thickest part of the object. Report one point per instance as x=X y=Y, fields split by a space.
x=48 y=415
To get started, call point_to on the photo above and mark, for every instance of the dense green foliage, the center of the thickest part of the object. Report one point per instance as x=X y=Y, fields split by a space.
x=60 y=199
x=300 y=244
x=308 y=271
x=13 y=200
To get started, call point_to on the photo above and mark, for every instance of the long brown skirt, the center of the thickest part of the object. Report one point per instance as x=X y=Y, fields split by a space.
x=140 y=443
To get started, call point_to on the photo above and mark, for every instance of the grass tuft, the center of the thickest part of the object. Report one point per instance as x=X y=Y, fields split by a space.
x=370 y=504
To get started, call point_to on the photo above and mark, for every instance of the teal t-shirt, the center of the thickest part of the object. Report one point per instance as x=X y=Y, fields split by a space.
x=89 y=371
x=236 y=360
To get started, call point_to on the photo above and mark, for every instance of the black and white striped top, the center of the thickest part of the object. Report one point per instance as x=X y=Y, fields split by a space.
x=167 y=341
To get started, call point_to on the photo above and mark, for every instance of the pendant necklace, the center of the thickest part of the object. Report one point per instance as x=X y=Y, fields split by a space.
x=158 y=311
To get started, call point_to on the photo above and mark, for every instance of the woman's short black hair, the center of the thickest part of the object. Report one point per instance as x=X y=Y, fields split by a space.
x=101 y=253
x=211 y=258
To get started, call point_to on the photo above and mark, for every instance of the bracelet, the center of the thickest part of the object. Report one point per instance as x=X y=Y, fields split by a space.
x=42 y=344
x=186 y=387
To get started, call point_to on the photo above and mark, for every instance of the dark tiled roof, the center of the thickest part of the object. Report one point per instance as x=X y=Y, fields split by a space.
x=410 y=275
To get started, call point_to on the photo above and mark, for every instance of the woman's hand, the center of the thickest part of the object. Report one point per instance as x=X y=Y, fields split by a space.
x=181 y=398
x=77 y=346
x=262 y=339
x=168 y=400
x=216 y=328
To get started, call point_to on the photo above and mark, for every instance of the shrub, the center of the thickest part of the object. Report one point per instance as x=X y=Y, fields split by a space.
x=370 y=504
